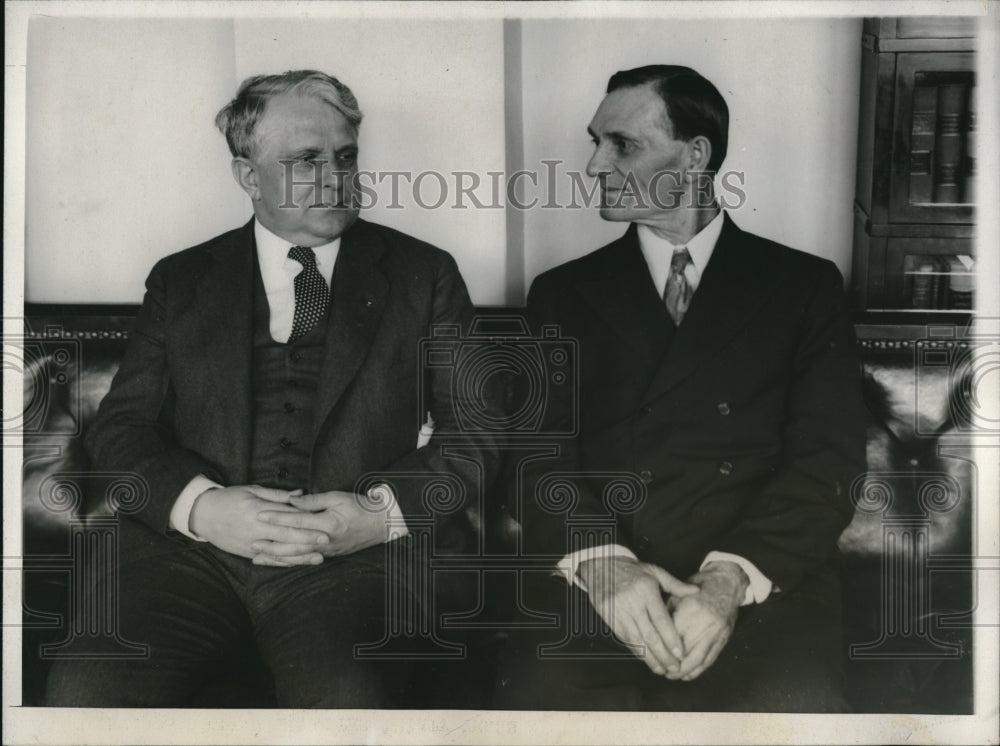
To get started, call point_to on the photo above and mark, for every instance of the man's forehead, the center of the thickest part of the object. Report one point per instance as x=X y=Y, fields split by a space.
x=630 y=110
x=295 y=117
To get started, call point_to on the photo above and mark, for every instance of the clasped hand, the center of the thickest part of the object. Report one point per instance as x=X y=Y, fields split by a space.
x=282 y=528
x=680 y=637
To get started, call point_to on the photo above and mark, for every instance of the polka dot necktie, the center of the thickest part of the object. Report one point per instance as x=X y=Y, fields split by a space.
x=311 y=293
x=677 y=294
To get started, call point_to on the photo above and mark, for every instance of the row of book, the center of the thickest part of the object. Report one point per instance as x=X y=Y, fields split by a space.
x=942 y=282
x=943 y=144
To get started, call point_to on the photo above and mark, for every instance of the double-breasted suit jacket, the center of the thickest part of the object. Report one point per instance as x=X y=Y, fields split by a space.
x=745 y=423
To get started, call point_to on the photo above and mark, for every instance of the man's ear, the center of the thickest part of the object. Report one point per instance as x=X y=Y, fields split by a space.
x=246 y=176
x=700 y=153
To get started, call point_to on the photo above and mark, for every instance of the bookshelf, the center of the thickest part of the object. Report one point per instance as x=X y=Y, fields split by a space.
x=914 y=205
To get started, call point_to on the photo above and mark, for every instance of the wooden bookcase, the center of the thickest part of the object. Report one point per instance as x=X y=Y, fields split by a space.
x=914 y=205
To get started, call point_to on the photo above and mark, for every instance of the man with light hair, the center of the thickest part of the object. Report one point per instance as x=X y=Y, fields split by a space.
x=272 y=371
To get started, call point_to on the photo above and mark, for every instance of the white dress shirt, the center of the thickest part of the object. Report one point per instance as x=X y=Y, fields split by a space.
x=658 y=252
x=278 y=272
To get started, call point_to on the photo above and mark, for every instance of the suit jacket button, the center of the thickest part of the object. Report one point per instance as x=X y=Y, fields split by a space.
x=646 y=475
x=643 y=542
x=726 y=468
x=284 y=442
x=282 y=472
x=647 y=409
x=723 y=408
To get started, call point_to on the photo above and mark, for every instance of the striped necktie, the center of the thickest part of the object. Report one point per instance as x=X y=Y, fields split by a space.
x=678 y=292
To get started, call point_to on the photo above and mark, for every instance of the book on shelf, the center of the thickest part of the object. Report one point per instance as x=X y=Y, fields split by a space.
x=961 y=282
x=948 y=143
x=942 y=283
x=969 y=165
x=922 y=144
x=922 y=294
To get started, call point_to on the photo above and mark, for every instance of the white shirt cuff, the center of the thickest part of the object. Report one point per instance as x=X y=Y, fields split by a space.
x=759 y=588
x=180 y=514
x=396 y=524
x=569 y=564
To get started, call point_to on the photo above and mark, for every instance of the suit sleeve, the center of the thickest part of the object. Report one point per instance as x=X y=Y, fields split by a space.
x=132 y=431
x=543 y=510
x=472 y=457
x=791 y=525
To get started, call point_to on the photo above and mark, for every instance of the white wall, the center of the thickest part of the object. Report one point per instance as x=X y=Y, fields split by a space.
x=432 y=95
x=791 y=87
x=125 y=165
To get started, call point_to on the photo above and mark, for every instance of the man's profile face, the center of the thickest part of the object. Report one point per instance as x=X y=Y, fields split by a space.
x=641 y=167
x=305 y=162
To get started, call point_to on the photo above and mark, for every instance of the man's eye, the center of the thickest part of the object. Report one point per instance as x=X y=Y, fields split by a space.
x=623 y=146
x=347 y=157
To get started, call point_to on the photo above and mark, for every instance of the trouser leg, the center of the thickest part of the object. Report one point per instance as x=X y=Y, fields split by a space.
x=183 y=606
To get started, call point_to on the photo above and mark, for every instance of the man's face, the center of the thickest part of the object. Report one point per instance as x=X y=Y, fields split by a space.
x=304 y=165
x=641 y=167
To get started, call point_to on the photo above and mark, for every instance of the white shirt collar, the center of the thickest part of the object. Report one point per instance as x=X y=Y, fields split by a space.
x=277 y=270
x=658 y=251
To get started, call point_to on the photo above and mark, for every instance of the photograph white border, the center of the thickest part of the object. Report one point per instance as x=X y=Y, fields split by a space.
x=51 y=725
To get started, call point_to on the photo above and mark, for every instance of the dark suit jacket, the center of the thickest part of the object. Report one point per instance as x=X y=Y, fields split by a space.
x=181 y=404
x=747 y=429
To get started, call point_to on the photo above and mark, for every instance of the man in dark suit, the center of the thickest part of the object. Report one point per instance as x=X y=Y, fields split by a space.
x=272 y=376
x=719 y=368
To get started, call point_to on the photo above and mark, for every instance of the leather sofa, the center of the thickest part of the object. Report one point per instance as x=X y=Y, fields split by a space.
x=907 y=581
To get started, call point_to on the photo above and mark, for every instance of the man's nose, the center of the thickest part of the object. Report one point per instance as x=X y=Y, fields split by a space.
x=598 y=163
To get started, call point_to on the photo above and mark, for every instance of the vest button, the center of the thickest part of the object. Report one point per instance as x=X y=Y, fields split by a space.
x=284 y=442
x=726 y=468
x=647 y=409
x=289 y=407
x=724 y=408
x=295 y=357
x=282 y=472
x=646 y=476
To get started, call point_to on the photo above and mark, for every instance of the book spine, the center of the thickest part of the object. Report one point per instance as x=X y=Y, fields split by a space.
x=948 y=146
x=922 y=144
x=961 y=283
x=939 y=284
x=969 y=187
x=922 y=296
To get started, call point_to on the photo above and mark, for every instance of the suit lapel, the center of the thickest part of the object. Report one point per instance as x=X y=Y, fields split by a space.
x=357 y=302
x=622 y=293
x=732 y=288
x=225 y=303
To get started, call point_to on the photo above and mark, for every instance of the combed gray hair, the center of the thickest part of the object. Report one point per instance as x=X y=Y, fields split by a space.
x=238 y=119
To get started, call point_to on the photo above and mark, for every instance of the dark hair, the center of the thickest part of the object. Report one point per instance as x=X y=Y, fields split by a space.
x=238 y=119
x=694 y=105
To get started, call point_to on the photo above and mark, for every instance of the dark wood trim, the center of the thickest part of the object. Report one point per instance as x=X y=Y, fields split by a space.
x=76 y=310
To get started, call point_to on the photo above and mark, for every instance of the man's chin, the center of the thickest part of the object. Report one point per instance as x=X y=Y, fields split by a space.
x=616 y=214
